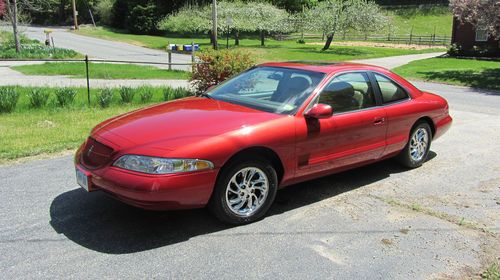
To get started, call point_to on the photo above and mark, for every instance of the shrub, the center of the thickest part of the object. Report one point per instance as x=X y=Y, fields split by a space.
x=218 y=66
x=127 y=94
x=301 y=41
x=181 y=92
x=65 y=96
x=105 y=97
x=8 y=99
x=38 y=97
x=168 y=94
x=146 y=94
x=475 y=51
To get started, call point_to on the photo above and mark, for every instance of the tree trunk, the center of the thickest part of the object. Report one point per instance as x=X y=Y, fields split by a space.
x=329 y=39
x=12 y=8
x=262 y=37
x=236 y=38
x=62 y=4
x=211 y=37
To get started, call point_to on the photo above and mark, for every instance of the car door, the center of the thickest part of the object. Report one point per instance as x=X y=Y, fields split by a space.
x=355 y=133
x=401 y=114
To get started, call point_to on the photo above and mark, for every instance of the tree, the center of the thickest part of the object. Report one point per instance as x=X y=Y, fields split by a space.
x=251 y=17
x=295 y=6
x=189 y=19
x=483 y=12
x=369 y=18
x=12 y=14
x=267 y=18
x=333 y=16
x=2 y=8
x=15 y=9
x=104 y=9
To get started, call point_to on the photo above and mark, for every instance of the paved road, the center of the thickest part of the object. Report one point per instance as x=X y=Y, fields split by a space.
x=104 y=49
x=376 y=222
x=396 y=61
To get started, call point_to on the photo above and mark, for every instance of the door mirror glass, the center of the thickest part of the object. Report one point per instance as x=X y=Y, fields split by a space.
x=320 y=111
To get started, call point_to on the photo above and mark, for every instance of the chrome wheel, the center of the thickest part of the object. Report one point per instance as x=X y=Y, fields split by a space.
x=418 y=144
x=247 y=191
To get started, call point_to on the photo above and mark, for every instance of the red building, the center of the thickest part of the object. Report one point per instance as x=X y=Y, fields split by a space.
x=470 y=37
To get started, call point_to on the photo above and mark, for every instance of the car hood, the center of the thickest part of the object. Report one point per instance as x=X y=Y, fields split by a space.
x=181 y=122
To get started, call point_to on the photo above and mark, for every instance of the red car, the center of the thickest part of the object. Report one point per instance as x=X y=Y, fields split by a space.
x=274 y=125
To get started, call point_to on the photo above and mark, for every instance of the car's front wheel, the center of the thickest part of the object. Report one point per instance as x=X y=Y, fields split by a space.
x=244 y=191
x=417 y=149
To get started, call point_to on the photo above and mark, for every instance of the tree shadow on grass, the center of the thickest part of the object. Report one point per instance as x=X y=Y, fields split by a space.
x=100 y=223
x=487 y=79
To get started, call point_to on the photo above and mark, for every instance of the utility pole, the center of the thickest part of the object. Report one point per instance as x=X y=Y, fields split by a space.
x=214 y=24
x=75 y=14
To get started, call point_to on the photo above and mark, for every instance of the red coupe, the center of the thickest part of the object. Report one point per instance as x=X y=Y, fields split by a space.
x=271 y=126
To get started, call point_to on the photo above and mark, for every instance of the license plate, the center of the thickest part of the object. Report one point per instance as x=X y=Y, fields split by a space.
x=82 y=179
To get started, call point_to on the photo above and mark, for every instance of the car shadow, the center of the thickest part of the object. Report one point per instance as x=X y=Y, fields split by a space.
x=100 y=223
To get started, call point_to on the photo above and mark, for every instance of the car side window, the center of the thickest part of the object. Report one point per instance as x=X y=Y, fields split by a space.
x=348 y=92
x=391 y=92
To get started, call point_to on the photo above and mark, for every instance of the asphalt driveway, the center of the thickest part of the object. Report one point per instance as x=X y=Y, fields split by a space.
x=375 y=222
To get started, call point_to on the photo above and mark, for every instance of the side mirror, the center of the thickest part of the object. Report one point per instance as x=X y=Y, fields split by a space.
x=320 y=111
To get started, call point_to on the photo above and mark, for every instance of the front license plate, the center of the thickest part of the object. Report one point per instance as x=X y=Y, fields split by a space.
x=82 y=179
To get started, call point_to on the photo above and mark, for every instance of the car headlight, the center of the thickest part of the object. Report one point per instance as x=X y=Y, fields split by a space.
x=154 y=165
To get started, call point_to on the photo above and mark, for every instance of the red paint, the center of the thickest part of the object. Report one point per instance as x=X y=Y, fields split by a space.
x=198 y=127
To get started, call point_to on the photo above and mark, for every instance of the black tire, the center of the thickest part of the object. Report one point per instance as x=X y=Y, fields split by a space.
x=218 y=204
x=405 y=158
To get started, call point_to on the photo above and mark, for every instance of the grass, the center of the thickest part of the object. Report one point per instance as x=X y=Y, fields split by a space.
x=465 y=72
x=423 y=20
x=30 y=132
x=31 y=49
x=102 y=71
x=492 y=272
x=273 y=51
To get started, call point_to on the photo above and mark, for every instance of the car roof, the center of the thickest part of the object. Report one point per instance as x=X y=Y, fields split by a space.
x=324 y=66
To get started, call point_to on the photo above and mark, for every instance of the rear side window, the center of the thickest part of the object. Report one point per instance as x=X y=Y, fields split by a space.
x=391 y=92
x=348 y=92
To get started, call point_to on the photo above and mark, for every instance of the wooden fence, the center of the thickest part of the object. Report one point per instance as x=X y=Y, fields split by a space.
x=410 y=39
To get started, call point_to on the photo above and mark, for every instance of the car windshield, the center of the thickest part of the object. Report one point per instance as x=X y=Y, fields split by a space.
x=271 y=89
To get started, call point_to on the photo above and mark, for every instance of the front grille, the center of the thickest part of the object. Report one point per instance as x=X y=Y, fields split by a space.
x=95 y=154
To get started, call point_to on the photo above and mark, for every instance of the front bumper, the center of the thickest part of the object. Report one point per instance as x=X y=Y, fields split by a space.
x=153 y=192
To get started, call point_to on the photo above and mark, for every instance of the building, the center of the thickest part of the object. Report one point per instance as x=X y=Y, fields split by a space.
x=468 y=37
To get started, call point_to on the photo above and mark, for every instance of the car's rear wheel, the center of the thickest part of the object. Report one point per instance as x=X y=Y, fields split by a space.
x=244 y=191
x=417 y=149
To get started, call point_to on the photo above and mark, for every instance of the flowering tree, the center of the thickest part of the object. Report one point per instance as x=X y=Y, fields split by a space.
x=369 y=18
x=189 y=19
x=266 y=18
x=2 y=8
x=483 y=12
x=333 y=16
x=250 y=16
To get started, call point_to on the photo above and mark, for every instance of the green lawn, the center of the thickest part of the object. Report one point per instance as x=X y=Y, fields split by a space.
x=101 y=71
x=423 y=20
x=273 y=51
x=29 y=132
x=466 y=72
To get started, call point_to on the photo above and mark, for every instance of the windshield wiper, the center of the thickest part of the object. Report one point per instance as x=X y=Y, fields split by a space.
x=206 y=95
